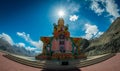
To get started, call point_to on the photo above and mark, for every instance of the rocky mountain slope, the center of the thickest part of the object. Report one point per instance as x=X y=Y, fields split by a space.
x=6 y=46
x=108 y=42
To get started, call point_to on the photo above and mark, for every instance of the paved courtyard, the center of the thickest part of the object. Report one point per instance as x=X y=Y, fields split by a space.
x=112 y=64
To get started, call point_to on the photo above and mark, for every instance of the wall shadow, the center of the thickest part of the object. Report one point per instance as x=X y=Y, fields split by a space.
x=75 y=69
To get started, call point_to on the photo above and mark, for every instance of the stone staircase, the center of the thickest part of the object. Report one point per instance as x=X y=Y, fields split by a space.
x=56 y=64
x=36 y=64
x=94 y=61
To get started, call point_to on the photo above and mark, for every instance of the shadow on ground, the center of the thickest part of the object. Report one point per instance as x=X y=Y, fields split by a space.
x=75 y=69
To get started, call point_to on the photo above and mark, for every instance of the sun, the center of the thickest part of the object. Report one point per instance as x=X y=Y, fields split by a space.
x=61 y=13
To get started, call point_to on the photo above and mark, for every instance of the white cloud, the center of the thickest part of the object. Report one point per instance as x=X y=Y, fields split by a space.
x=112 y=8
x=88 y=36
x=96 y=8
x=73 y=18
x=91 y=31
x=109 y=6
x=7 y=38
x=112 y=19
x=73 y=7
x=99 y=34
x=20 y=44
x=28 y=39
x=24 y=35
x=30 y=48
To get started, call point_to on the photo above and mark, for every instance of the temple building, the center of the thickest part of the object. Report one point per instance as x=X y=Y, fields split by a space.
x=61 y=45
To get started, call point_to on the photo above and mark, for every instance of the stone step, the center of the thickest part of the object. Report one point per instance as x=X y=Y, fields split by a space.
x=25 y=62
x=94 y=61
x=21 y=59
x=48 y=64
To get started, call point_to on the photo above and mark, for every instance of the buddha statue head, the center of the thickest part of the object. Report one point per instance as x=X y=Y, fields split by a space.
x=61 y=22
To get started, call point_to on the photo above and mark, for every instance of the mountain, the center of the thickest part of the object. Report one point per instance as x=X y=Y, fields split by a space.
x=84 y=45
x=6 y=46
x=108 y=42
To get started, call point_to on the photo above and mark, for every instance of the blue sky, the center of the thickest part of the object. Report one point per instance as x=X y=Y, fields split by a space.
x=24 y=21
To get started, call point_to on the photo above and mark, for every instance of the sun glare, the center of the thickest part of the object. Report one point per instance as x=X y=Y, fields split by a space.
x=61 y=13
